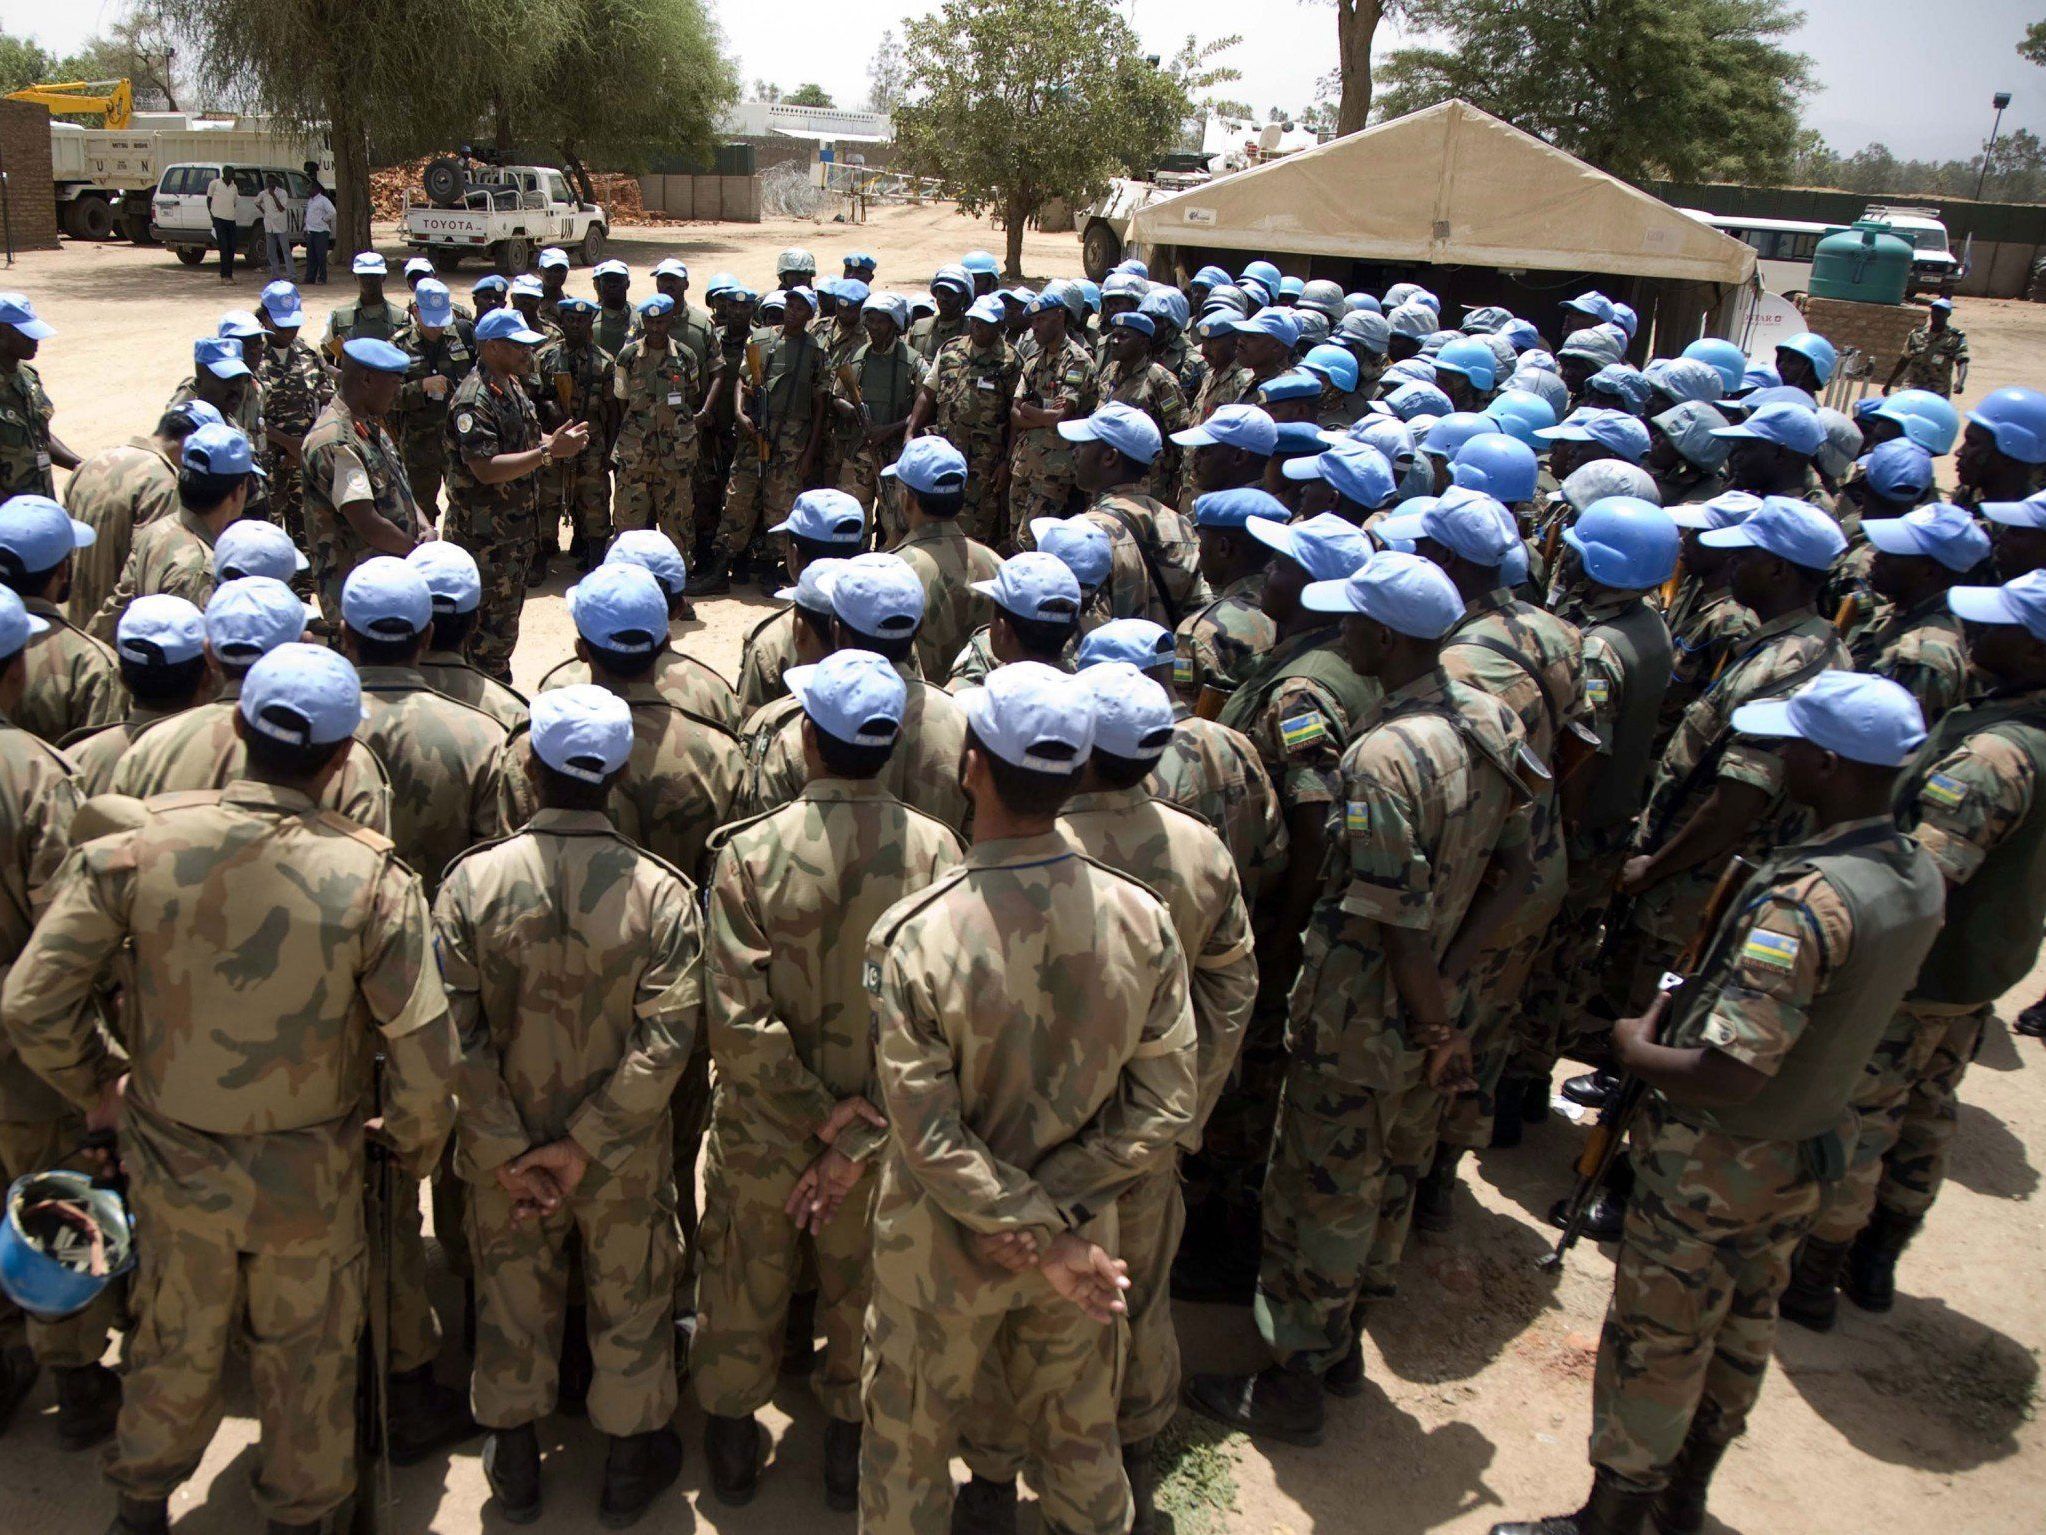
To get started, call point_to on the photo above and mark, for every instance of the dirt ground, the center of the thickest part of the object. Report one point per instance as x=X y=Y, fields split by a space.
x=1480 y=1370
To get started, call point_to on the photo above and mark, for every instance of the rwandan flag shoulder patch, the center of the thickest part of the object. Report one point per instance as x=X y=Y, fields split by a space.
x=1357 y=818
x=1302 y=730
x=1945 y=791
x=1776 y=950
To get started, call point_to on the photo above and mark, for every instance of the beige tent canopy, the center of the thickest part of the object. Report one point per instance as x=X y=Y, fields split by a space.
x=1448 y=186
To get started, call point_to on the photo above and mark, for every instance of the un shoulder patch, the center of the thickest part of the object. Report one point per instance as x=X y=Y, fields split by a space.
x=870 y=977
x=1776 y=950
x=1945 y=791
x=465 y=422
x=1302 y=730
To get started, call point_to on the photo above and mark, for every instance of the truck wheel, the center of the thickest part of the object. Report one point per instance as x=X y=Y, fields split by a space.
x=592 y=250
x=92 y=218
x=445 y=182
x=191 y=255
x=135 y=227
x=513 y=256
x=1100 y=250
x=445 y=259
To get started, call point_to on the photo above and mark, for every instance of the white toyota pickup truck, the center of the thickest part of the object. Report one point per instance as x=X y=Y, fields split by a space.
x=505 y=215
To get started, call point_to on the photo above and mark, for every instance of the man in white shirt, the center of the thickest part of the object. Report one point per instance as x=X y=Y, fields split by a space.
x=276 y=214
x=319 y=234
x=223 y=200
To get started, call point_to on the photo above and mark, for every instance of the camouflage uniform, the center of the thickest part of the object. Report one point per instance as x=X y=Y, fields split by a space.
x=296 y=387
x=573 y=967
x=887 y=388
x=383 y=321
x=770 y=649
x=948 y=561
x=1215 y=772
x=1219 y=644
x=25 y=413
x=933 y=333
x=446 y=672
x=347 y=459
x=577 y=490
x=1921 y=650
x=117 y=494
x=172 y=556
x=1146 y=536
x=71 y=682
x=495 y=523
x=420 y=419
x=1429 y=798
x=1184 y=362
x=976 y=659
x=971 y=391
x=247 y=419
x=1041 y=461
x=1796 y=985
x=689 y=684
x=923 y=771
x=657 y=394
x=93 y=753
x=792 y=899
x=1176 y=856
x=1930 y=361
x=1150 y=387
x=1708 y=629
x=781 y=408
x=1031 y=1013
x=1217 y=389
x=440 y=757
x=612 y=328
x=242 y=1127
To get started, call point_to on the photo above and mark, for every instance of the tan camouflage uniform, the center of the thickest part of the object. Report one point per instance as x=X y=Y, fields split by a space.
x=296 y=385
x=770 y=649
x=1921 y=650
x=971 y=391
x=1930 y=361
x=948 y=562
x=94 y=753
x=172 y=556
x=1138 y=526
x=763 y=487
x=446 y=672
x=1219 y=644
x=117 y=494
x=346 y=459
x=1041 y=461
x=657 y=395
x=1215 y=772
x=578 y=490
x=72 y=682
x=684 y=681
x=420 y=420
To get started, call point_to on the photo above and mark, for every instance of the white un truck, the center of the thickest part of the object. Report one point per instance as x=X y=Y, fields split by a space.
x=500 y=213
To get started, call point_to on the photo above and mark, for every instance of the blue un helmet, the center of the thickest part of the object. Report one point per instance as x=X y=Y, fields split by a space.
x=1626 y=543
x=1334 y=364
x=1520 y=414
x=1729 y=359
x=1928 y=419
x=1814 y=349
x=2015 y=419
x=1449 y=433
x=1503 y=467
x=1473 y=359
x=64 y=1240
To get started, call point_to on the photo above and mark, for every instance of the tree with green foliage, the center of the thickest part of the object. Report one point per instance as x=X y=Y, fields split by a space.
x=887 y=75
x=138 y=49
x=2033 y=49
x=1017 y=102
x=23 y=61
x=809 y=94
x=1691 y=90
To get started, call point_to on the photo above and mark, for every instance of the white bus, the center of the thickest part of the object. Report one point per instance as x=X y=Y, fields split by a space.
x=1784 y=248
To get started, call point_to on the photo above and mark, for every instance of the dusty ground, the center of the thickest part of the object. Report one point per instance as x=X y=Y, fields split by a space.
x=1480 y=1370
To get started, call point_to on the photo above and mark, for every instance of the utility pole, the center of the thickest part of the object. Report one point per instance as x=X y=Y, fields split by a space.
x=2000 y=100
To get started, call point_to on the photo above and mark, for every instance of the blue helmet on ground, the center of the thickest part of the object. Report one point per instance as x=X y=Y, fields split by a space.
x=1503 y=467
x=1729 y=359
x=2015 y=418
x=1814 y=349
x=64 y=1240
x=1626 y=543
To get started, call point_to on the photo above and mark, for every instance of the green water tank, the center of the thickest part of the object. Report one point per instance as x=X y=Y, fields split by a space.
x=1866 y=263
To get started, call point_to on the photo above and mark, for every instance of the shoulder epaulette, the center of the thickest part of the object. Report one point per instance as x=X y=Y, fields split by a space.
x=334 y=820
x=923 y=898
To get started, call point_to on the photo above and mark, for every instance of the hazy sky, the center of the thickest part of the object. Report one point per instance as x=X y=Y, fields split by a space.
x=1914 y=75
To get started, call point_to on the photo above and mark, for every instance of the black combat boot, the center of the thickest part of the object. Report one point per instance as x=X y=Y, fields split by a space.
x=575 y=1368
x=985 y=1507
x=799 y=1335
x=140 y=1516
x=536 y=568
x=1345 y=1378
x=1605 y=1218
x=1594 y=1089
x=638 y=1469
x=731 y=1448
x=1872 y=1261
x=1679 y=1509
x=511 y=1465
x=88 y=1405
x=1435 y=1194
x=2032 y=1021
x=1507 y=1113
x=842 y=1466
x=425 y=1416
x=1608 y=1511
x=1139 y=1467
x=1812 y=1298
x=1276 y=1403
x=18 y=1375
x=712 y=579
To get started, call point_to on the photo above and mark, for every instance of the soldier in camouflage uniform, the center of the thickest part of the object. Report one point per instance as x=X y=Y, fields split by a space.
x=1751 y=1069
x=874 y=391
x=1773 y=454
x=1917 y=641
x=1225 y=382
x=617 y=321
x=573 y=966
x=792 y=898
x=370 y=315
x=693 y=329
x=839 y=311
x=999 y=1184
x=581 y=380
x=952 y=293
x=1707 y=624
x=29 y=450
x=216 y=478
x=1115 y=820
x=358 y=501
x=224 y=376
x=964 y=397
x=162 y=645
x=121 y=491
x=1971 y=798
x=1221 y=643
x=1035 y=602
x=1434 y=831
x=932 y=480
x=243 y=1136
x=770 y=645
x=296 y=386
x=1935 y=355
x=72 y=681
x=656 y=402
x=1060 y=383
x=457 y=588
x=441 y=356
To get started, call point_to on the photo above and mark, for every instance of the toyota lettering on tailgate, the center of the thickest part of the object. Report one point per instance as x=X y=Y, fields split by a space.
x=447 y=225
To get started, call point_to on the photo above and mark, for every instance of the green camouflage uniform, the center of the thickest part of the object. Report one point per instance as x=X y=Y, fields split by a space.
x=834 y=444
x=1708 y=629
x=762 y=489
x=355 y=319
x=1429 y=798
x=348 y=459
x=1041 y=461
x=573 y=967
x=173 y=556
x=1930 y=361
x=933 y=333
x=612 y=328
x=1797 y=985
x=1219 y=644
x=657 y=394
x=971 y=391
x=888 y=385
x=1184 y=362
x=689 y=684
x=495 y=523
x=296 y=387
x=1144 y=535
x=71 y=682
x=117 y=494
x=1036 y=1055
x=792 y=898
x=1215 y=772
x=770 y=650
x=578 y=490
x=278 y=948
x=1921 y=650
x=948 y=561
x=420 y=419
x=25 y=413
x=446 y=672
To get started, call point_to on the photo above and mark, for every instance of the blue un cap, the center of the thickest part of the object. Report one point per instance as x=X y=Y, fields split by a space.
x=929 y=466
x=1854 y=715
x=2022 y=601
x=1468 y=523
x=878 y=595
x=1327 y=547
x=281 y=302
x=1133 y=715
x=620 y=607
x=382 y=356
x=1123 y=427
x=436 y=304
x=16 y=310
x=1942 y=531
x=253 y=547
x=812 y=588
x=451 y=575
x=1355 y=470
x=582 y=730
x=40 y=533
x=654 y=552
x=197 y=413
x=252 y=617
x=1234 y=426
x=1034 y=585
x=385 y=598
x=507 y=324
x=1614 y=430
x=303 y=695
x=219 y=355
x=1722 y=511
x=221 y=450
x=1791 y=530
x=1899 y=470
x=1234 y=508
x=1081 y=543
x=240 y=324
x=825 y=517
x=1137 y=641
x=1276 y=323
x=17 y=625
x=160 y=630
x=1406 y=593
x=854 y=696
x=1297 y=385
x=1783 y=423
x=1032 y=716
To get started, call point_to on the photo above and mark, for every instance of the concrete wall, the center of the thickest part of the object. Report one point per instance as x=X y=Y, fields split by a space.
x=726 y=199
x=25 y=155
x=1879 y=330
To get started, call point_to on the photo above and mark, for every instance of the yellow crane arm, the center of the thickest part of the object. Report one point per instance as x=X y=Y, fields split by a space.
x=114 y=100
